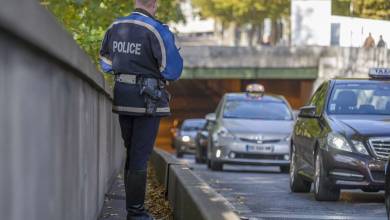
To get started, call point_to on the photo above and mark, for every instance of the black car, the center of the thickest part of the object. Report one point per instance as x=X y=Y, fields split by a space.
x=341 y=140
x=387 y=189
x=201 y=142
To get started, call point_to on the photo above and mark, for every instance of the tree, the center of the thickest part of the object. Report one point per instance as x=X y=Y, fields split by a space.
x=341 y=7
x=375 y=9
x=244 y=12
x=87 y=20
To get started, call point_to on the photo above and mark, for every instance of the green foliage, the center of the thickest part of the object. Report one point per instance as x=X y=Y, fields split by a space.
x=375 y=9
x=254 y=11
x=378 y=9
x=341 y=7
x=243 y=11
x=87 y=20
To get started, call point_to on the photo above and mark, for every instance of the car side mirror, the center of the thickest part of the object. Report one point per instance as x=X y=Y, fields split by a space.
x=211 y=117
x=296 y=114
x=308 y=112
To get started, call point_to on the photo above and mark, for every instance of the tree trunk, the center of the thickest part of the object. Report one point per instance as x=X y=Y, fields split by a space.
x=251 y=35
x=274 y=32
x=259 y=34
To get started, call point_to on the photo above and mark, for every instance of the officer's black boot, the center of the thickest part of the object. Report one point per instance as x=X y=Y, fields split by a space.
x=135 y=183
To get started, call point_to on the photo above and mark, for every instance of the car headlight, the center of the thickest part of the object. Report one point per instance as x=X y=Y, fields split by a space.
x=185 y=138
x=359 y=146
x=339 y=142
x=222 y=133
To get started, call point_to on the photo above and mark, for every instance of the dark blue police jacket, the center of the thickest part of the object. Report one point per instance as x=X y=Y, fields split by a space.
x=140 y=45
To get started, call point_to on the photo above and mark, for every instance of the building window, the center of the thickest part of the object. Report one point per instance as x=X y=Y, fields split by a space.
x=335 y=34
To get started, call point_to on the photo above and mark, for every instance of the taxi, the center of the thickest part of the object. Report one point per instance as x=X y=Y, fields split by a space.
x=341 y=139
x=250 y=128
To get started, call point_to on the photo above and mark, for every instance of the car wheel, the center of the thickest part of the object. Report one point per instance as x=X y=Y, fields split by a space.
x=179 y=154
x=297 y=183
x=323 y=190
x=216 y=166
x=285 y=169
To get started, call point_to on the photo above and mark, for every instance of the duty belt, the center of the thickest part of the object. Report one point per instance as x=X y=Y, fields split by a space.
x=126 y=78
x=135 y=79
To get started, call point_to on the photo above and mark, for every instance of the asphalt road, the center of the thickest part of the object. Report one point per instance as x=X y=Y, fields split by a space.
x=264 y=193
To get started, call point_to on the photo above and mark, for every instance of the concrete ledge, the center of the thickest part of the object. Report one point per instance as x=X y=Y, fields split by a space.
x=190 y=197
x=39 y=28
x=250 y=73
x=161 y=161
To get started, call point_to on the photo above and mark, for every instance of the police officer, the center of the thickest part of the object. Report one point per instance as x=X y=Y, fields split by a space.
x=142 y=54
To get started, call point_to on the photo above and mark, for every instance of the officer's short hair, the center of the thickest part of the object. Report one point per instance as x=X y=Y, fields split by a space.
x=145 y=2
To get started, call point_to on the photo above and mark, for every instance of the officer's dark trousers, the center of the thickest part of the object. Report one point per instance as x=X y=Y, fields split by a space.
x=139 y=134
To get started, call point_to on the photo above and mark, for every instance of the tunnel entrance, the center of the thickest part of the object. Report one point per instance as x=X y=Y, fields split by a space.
x=194 y=98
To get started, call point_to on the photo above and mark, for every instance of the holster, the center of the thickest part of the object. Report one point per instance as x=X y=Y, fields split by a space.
x=152 y=91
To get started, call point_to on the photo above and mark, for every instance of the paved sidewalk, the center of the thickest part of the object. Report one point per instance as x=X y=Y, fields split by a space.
x=115 y=201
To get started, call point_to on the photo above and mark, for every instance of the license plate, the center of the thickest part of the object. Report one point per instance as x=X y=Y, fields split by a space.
x=260 y=148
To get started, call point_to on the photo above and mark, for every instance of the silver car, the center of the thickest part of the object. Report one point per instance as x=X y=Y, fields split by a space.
x=250 y=130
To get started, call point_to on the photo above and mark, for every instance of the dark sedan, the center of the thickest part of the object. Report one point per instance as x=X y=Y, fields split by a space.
x=184 y=141
x=341 y=140
x=201 y=141
x=387 y=188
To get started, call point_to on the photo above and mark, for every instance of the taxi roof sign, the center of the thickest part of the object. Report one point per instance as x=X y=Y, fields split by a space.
x=379 y=73
x=255 y=88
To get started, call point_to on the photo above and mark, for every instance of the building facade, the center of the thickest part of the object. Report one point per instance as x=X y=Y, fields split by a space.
x=312 y=24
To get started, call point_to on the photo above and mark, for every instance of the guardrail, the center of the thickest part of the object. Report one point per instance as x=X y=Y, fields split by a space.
x=190 y=197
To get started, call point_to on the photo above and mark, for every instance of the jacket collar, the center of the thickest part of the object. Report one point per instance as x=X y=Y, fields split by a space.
x=143 y=12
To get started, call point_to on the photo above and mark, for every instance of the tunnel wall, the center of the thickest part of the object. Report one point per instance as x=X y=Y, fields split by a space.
x=60 y=144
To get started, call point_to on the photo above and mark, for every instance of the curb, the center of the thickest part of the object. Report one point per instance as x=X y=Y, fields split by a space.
x=190 y=197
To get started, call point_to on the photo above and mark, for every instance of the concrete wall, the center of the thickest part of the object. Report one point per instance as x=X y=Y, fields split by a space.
x=250 y=57
x=60 y=144
x=350 y=62
x=282 y=62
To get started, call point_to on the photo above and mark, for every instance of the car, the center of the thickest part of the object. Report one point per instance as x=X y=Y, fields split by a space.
x=201 y=141
x=250 y=128
x=341 y=139
x=387 y=188
x=184 y=141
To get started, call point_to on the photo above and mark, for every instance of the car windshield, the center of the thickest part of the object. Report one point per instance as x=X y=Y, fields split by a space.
x=193 y=125
x=360 y=98
x=255 y=109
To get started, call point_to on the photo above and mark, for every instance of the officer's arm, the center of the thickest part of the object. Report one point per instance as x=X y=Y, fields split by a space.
x=105 y=58
x=167 y=54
